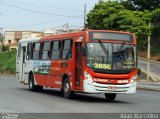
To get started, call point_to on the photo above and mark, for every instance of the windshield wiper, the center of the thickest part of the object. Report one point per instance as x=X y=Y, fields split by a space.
x=104 y=48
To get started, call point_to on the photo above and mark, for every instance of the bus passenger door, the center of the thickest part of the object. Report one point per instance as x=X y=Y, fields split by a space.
x=78 y=63
x=22 y=62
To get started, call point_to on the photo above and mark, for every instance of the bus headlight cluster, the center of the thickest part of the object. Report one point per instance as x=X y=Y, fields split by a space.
x=87 y=76
x=133 y=78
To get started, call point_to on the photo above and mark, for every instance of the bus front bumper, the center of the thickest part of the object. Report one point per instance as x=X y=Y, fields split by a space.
x=93 y=87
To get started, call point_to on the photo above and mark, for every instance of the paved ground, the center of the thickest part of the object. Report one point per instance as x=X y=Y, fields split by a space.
x=152 y=86
x=14 y=98
x=154 y=68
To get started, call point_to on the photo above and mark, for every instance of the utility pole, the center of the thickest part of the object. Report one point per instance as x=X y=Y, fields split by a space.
x=67 y=27
x=1 y=38
x=85 y=15
x=148 y=56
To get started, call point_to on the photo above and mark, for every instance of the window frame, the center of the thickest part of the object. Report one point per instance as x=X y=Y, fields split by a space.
x=59 y=49
x=19 y=51
x=29 y=52
x=49 y=50
x=71 y=47
x=9 y=41
x=33 y=50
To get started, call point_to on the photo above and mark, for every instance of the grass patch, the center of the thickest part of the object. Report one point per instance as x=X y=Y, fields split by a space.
x=8 y=62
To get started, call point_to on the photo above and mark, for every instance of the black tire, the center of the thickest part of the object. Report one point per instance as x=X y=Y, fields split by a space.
x=39 y=88
x=32 y=86
x=67 y=93
x=110 y=97
x=61 y=91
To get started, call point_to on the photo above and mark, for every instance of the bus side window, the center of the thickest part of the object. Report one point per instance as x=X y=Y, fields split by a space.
x=55 y=50
x=67 y=49
x=36 y=51
x=19 y=51
x=29 y=51
x=46 y=50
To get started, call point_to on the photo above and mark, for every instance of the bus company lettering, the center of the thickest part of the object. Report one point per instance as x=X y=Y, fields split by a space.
x=102 y=66
x=42 y=67
x=111 y=81
x=56 y=69
x=122 y=81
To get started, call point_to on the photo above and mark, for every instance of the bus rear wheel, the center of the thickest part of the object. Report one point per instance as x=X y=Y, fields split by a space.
x=110 y=97
x=32 y=86
x=67 y=93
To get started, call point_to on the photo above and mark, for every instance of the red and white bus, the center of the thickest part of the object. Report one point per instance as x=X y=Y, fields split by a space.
x=90 y=61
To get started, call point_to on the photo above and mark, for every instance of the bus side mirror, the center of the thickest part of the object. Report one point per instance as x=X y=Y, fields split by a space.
x=27 y=57
x=139 y=72
x=18 y=58
x=83 y=51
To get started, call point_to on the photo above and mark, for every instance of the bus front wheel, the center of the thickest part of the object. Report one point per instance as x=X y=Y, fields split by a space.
x=110 y=97
x=32 y=86
x=67 y=93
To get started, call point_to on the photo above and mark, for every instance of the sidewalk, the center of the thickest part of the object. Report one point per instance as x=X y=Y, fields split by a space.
x=153 y=86
x=154 y=68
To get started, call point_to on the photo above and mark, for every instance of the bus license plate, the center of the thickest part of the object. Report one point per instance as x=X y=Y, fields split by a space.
x=112 y=87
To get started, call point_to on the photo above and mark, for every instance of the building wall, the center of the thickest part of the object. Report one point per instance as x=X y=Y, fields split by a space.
x=8 y=36
x=11 y=38
x=26 y=34
x=17 y=36
x=49 y=32
x=34 y=34
x=13 y=48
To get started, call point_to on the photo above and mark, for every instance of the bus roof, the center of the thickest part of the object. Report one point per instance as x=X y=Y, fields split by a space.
x=77 y=33
x=29 y=40
x=125 y=32
x=66 y=35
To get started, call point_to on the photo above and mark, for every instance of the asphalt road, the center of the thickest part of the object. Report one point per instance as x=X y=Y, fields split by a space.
x=18 y=99
x=154 y=68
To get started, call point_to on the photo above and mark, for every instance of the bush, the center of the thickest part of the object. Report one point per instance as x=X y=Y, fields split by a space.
x=5 y=48
x=8 y=62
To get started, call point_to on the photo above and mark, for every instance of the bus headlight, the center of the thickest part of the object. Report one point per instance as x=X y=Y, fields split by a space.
x=134 y=78
x=87 y=76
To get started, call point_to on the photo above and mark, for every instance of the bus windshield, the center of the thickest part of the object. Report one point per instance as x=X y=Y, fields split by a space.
x=111 y=56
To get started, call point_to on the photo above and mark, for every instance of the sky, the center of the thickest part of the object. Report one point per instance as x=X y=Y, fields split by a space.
x=39 y=15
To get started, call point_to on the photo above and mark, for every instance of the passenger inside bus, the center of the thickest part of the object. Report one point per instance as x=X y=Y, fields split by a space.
x=69 y=55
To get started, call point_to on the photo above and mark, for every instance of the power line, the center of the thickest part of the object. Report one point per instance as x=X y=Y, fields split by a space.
x=85 y=12
x=55 y=7
x=57 y=27
x=75 y=26
x=36 y=11
x=41 y=23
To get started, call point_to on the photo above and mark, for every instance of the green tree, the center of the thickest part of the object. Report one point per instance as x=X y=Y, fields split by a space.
x=5 y=48
x=113 y=16
x=141 y=5
x=155 y=15
x=100 y=12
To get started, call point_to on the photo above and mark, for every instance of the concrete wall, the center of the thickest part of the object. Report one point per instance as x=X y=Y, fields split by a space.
x=8 y=36
x=15 y=36
x=26 y=34
x=34 y=34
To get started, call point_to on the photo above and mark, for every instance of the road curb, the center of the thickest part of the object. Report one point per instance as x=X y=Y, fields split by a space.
x=150 y=88
x=158 y=62
x=151 y=76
